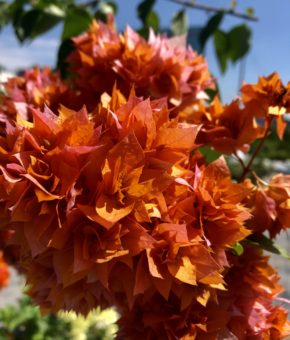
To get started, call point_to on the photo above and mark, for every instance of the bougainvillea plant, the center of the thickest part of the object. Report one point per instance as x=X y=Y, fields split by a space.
x=111 y=202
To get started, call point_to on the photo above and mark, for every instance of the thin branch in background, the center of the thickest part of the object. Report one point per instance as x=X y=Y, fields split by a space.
x=258 y=149
x=92 y=3
x=207 y=8
x=239 y=159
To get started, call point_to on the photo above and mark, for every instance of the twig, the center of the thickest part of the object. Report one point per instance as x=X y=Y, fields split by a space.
x=92 y=3
x=207 y=8
x=258 y=149
x=240 y=160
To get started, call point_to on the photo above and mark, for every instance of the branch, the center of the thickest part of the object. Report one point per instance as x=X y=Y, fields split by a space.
x=92 y=3
x=227 y=11
x=258 y=149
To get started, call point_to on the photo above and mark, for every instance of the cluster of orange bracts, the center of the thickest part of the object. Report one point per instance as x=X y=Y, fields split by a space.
x=111 y=202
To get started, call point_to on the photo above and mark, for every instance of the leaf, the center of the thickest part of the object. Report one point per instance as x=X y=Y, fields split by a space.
x=144 y=8
x=209 y=154
x=4 y=14
x=36 y=22
x=250 y=11
x=77 y=21
x=105 y=9
x=179 y=23
x=221 y=47
x=152 y=20
x=209 y=29
x=239 y=41
x=193 y=37
x=65 y=49
x=269 y=245
x=238 y=249
x=109 y=7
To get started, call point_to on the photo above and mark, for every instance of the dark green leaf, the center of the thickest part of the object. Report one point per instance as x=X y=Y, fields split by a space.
x=77 y=21
x=105 y=9
x=209 y=29
x=36 y=22
x=144 y=8
x=152 y=20
x=221 y=43
x=267 y=244
x=113 y=5
x=65 y=49
x=209 y=154
x=179 y=23
x=211 y=93
x=4 y=14
x=193 y=37
x=239 y=40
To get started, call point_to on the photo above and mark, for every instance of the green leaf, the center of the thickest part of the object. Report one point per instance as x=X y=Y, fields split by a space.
x=221 y=43
x=238 y=249
x=4 y=14
x=113 y=6
x=267 y=244
x=77 y=21
x=250 y=11
x=36 y=22
x=193 y=37
x=239 y=41
x=65 y=49
x=209 y=154
x=152 y=20
x=144 y=8
x=211 y=26
x=105 y=9
x=179 y=23
x=212 y=93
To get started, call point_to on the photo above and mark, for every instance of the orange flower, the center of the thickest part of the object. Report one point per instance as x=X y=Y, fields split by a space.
x=268 y=98
x=35 y=88
x=4 y=272
x=229 y=128
x=242 y=311
x=270 y=205
x=159 y=67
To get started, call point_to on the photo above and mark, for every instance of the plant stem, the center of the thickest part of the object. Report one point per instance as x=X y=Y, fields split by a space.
x=240 y=160
x=258 y=149
x=227 y=11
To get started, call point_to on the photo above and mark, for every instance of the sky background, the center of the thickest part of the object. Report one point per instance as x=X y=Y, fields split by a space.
x=270 y=41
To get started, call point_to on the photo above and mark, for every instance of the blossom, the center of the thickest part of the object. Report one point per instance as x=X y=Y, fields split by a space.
x=268 y=98
x=157 y=67
x=109 y=202
x=229 y=128
x=243 y=310
x=35 y=88
x=269 y=204
x=4 y=272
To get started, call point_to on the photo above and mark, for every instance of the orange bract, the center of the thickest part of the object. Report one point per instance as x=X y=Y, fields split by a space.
x=160 y=67
x=4 y=272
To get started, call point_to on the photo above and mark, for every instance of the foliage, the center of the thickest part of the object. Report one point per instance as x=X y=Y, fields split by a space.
x=25 y=321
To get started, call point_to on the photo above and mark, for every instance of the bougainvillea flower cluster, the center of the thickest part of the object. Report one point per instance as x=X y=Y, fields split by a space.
x=158 y=68
x=110 y=201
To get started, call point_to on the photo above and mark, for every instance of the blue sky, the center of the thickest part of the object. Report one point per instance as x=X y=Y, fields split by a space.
x=270 y=43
